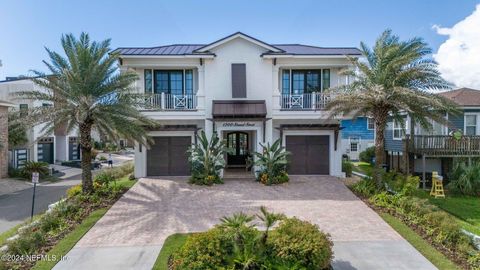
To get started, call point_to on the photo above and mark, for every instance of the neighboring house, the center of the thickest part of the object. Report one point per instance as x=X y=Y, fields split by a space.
x=56 y=147
x=4 y=105
x=247 y=91
x=434 y=150
x=357 y=135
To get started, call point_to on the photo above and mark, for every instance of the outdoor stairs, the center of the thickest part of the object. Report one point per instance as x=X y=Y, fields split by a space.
x=238 y=174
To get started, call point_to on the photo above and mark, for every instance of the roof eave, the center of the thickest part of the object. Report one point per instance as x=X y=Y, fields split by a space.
x=267 y=55
x=126 y=56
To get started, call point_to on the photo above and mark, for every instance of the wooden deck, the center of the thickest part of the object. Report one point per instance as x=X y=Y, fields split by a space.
x=444 y=145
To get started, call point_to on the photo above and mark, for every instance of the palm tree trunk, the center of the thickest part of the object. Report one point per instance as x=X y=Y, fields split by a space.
x=86 y=164
x=380 y=124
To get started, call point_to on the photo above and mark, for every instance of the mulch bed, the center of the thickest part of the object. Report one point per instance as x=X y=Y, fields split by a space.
x=456 y=257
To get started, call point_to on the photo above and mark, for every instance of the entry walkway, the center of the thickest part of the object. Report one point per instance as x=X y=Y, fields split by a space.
x=132 y=232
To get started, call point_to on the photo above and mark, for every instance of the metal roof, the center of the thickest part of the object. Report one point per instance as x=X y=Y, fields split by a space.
x=239 y=109
x=192 y=49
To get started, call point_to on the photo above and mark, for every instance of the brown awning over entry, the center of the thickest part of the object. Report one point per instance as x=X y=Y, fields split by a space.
x=239 y=109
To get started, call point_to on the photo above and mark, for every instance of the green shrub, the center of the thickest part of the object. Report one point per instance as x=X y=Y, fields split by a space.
x=365 y=187
x=206 y=250
x=385 y=199
x=207 y=160
x=347 y=168
x=300 y=243
x=74 y=191
x=465 y=179
x=273 y=162
x=50 y=222
x=32 y=166
x=102 y=158
x=105 y=177
x=367 y=155
x=28 y=242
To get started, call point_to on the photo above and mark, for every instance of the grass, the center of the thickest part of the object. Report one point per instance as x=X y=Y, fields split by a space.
x=67 y=243
x=172 y=243
x=362 y=167
x=7 y=234
x=434 y=256
x=465 y=208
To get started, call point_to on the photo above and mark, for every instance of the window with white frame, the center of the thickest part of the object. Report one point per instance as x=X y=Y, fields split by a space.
x=398 y=131
x=354 y=141
x=370 y=123
x=471 y=124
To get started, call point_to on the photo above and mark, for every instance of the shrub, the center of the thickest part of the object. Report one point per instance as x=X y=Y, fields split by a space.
x=50 y=222
x=131 y=176
x=465 y=179
x=300 y=243
x=105 y=177
x=207 y=160
x=365 y=187
x=31 y=166
x=368 y=154
x=102 y=158
x=206 y=250
x=272 y=161
x=28 y=242
x=347 y=168
x=74 y=191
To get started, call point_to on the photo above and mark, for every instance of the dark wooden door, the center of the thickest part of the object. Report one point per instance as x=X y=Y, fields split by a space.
x=237 y=143
x=45 y=152
x=168 y=156
x=309 y=154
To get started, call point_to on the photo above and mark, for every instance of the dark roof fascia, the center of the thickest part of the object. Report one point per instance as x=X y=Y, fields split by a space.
x=239 y=33
x=160 y=55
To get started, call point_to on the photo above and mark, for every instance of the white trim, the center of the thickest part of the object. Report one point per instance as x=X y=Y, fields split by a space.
x=207 y=56
x=234 y=36
x=270 y=56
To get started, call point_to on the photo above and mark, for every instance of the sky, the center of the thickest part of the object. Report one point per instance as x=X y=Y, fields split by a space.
x=450 y=27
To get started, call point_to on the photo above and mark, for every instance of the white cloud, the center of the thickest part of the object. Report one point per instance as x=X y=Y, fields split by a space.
x=459 y=56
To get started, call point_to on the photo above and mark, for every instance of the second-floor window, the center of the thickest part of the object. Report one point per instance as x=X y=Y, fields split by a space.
x=23 y=110
x=471 y=125
x=370 y=123
x=297 y=82
x=175 y=82
x=398 y=131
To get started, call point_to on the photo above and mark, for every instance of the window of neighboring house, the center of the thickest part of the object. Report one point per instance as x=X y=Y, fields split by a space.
x=148 y=81
x=354 y=144
x=370 y=124
x=176 y=82
x=398 y=131
x=23 y=110
x=470 y=125
x=305 y=81
x=46 y=105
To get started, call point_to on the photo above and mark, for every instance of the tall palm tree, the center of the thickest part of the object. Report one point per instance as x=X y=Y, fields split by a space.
x=89 y=93
x=396 y=78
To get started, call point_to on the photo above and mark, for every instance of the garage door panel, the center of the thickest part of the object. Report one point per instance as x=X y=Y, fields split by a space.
x=309 y=154
x=178 y=155
x=168 y=156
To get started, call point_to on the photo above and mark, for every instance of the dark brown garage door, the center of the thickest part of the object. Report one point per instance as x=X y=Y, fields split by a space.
x=168 y=156
x=309 y=154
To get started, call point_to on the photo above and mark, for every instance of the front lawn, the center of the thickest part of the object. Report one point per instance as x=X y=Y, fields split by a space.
x=465 y=208
x=362 y=167
x=171 y=244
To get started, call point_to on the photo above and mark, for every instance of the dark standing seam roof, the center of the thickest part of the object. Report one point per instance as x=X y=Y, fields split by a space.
x=239 y=109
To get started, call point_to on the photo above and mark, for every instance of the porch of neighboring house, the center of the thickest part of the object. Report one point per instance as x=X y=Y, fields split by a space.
x=422 y=150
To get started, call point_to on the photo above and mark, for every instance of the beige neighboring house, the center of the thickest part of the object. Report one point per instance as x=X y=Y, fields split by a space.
x=4 y=105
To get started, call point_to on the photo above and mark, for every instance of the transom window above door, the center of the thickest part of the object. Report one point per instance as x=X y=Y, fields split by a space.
x=297 y=82
x=175 y=82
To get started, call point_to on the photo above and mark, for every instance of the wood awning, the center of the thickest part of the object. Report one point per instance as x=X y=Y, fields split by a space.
x=230 y=109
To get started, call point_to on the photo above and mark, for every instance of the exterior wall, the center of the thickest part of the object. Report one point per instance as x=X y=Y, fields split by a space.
x=356 y=128
x=3 y=141
x=391 y=144
x=431 y=164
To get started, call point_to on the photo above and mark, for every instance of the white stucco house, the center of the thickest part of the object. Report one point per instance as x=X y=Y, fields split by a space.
x=248 y=91
x=53 y=148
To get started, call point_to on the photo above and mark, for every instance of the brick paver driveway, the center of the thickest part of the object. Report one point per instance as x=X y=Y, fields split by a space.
x=132 y=232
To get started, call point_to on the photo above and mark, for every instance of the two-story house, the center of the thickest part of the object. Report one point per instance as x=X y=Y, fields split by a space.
x=357 y=135
x=435 y=149
x=247 y=91
x=57 y=147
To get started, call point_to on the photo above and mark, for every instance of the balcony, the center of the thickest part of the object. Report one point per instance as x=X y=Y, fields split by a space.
x=444 y=145
x=167 y=102
x=302 y=102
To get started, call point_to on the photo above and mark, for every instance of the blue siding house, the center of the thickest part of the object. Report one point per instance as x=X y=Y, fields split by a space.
x=357 y=135
x=435 y=149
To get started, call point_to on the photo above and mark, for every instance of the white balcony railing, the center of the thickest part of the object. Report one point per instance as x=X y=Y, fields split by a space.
x=167 y=101
x=309 y=101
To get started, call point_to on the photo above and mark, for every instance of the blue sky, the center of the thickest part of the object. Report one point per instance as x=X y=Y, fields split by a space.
x=27 y=26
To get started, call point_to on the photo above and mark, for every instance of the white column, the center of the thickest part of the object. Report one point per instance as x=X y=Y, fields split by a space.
x=276 y=88
x=162 y=101
x=201 y=87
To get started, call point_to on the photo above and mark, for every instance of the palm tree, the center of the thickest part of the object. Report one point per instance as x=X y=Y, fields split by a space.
x=396 y=79
x=87 y=92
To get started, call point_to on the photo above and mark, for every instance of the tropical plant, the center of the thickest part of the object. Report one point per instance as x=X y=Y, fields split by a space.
x=88 y=93
x=272 y=161
x=367 y=155
x=269 y=220
x=17 y=130
x=347 y=168
x=395 y=80
x=207 y=159
x=32 y=166
x=465 y=179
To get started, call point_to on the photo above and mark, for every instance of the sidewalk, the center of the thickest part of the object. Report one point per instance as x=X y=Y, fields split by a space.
x=8 y=185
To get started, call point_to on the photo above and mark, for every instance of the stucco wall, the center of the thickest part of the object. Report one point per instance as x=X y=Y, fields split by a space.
x=3 y=141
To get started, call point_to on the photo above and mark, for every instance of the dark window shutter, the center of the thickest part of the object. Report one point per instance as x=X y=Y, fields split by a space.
x=239 y=81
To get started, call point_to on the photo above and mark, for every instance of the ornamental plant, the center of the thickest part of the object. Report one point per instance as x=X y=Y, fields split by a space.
x=207 y=160
x=272 y=162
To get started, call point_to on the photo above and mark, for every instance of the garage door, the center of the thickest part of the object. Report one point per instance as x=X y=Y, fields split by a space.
x=168 y=156
x=309 y=154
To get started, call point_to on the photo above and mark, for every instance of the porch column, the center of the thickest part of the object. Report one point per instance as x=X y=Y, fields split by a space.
x=424 y=178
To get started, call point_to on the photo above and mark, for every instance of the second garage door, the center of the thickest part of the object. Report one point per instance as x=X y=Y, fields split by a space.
x=168 y=156
x=309 y=154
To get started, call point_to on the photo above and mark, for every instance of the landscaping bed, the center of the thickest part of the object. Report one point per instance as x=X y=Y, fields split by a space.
x=439 y=229
x=54 y=233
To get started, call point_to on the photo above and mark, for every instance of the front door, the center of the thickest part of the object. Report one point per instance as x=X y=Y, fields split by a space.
x=237 y=143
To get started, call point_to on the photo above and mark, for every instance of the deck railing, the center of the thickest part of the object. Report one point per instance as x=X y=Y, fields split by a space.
x=444 y=145
x=309 y=101
x=166 y=101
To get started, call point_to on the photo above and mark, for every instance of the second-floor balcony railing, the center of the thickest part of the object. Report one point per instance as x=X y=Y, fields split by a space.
x=308 y=101
x=444 y=145
x=165 y=101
